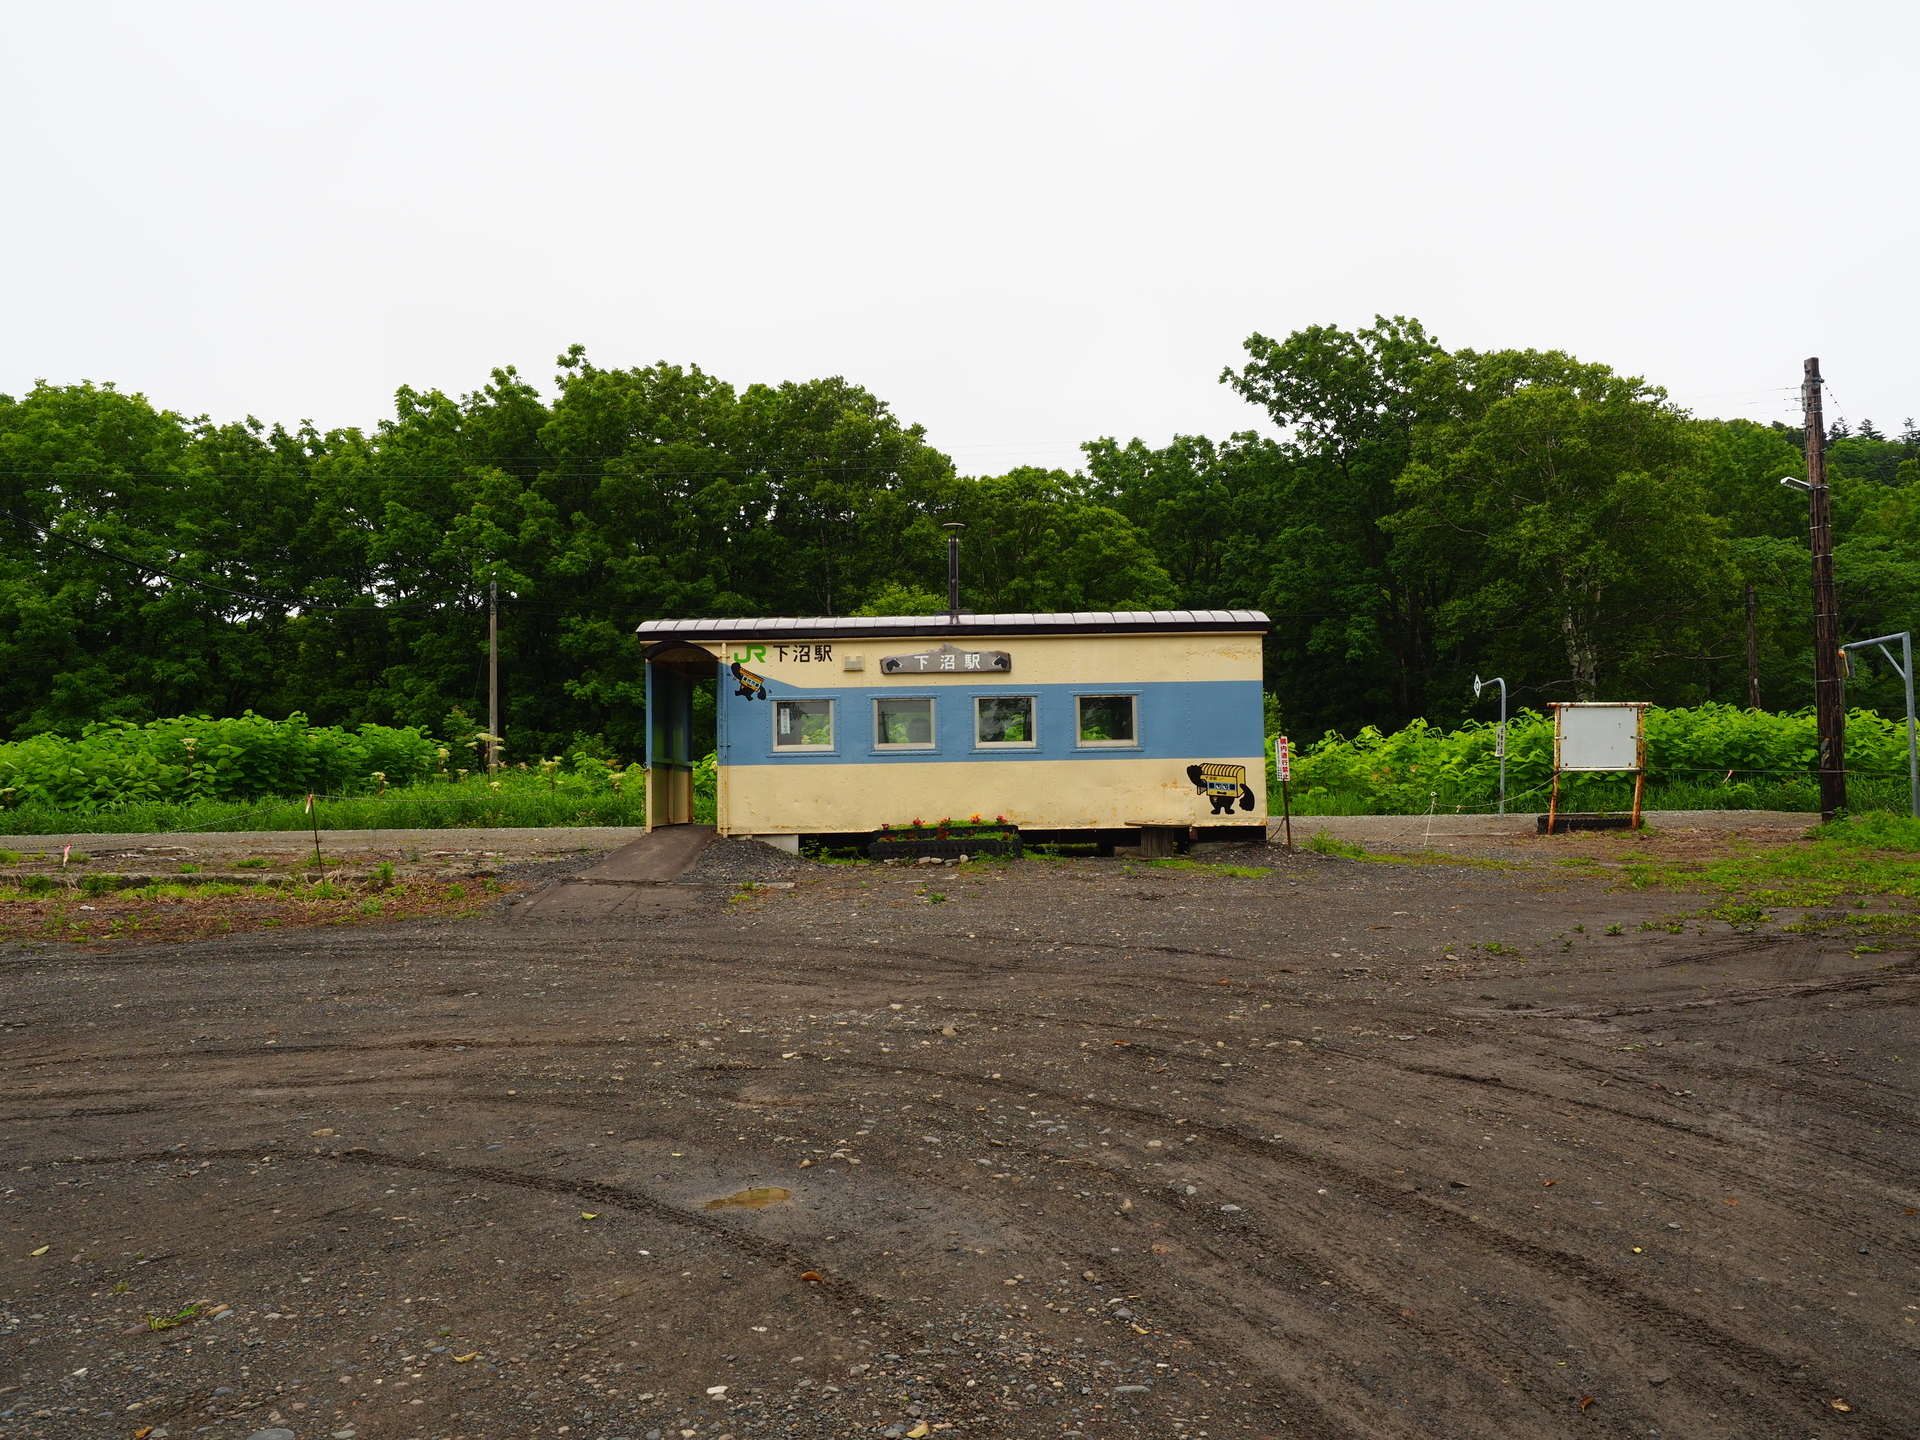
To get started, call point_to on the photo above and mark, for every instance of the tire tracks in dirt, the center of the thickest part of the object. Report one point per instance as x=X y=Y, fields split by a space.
x=1298 y=1407
x=1714 y=1342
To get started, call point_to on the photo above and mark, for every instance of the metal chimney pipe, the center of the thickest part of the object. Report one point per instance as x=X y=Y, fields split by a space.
x=953 y=529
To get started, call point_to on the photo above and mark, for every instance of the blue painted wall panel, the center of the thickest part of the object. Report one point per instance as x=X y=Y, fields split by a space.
x=1183 y=720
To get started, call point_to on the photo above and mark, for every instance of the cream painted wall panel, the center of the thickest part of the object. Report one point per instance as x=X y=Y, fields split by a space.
x=1048 y=659
x=1069 y=794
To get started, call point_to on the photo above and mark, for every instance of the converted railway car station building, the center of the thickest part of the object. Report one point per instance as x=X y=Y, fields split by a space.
x=1098 y=724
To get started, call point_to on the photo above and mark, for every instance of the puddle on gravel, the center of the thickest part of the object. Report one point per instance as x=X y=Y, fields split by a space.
x=757 y=1198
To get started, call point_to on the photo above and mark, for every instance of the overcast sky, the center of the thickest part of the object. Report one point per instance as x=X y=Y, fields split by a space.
x=1022 y=225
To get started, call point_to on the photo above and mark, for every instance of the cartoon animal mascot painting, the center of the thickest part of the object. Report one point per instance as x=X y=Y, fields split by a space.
x=752 y=687
x=1222 y=785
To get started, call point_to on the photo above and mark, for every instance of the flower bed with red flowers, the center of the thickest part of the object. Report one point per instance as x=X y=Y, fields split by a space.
x=946 y=839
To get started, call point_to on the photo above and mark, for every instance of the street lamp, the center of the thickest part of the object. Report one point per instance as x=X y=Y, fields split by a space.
x=1500 y=735
x=1904 y=669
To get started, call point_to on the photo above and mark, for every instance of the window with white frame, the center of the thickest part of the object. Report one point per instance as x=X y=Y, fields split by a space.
x=903 y=723
x=803 y=725
x=1004 y=720
x=1106 y=720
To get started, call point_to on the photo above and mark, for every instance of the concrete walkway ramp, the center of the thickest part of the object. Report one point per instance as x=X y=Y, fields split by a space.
x=636 y=881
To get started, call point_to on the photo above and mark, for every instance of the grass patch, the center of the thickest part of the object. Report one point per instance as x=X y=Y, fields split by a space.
x=1847 y=861
x=168 y=1322
x=1322 y=843
x=169 y=910
x=1741 y=916
x=1596 y=793
x=979 y=863
x=1245 y=872
x=186 y=892
x=521 y=799
x=1878 y=830
x=837 y=854
x=1439 y=857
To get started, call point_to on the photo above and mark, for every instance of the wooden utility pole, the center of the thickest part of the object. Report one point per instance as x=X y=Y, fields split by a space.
x=493 y=676
x=1753 y=657
x=1829 y=699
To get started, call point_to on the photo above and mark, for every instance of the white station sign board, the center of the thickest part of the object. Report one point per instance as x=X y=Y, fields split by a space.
x=1598 y=736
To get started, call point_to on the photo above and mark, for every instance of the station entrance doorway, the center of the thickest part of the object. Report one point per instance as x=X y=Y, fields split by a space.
x=679 y=676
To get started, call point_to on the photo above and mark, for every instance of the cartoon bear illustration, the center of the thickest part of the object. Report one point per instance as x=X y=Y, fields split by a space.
x=1222 y=785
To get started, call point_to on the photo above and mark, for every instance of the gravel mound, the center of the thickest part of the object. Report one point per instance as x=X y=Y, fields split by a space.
x=735 y=861
x=543 y=872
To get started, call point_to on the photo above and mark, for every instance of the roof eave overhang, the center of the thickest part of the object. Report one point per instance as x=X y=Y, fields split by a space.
x=935 y=626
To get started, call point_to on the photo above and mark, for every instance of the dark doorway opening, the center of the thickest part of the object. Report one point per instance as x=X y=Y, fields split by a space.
x=680 y=720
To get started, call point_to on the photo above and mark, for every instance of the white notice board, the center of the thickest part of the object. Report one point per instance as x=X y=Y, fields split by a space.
x=1597 y=736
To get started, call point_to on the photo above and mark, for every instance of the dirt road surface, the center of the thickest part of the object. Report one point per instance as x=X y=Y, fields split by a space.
x=1081 y=1148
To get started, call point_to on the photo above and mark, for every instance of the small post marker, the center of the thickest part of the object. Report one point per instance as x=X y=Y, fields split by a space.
x=313 y=813
x=1283 y=764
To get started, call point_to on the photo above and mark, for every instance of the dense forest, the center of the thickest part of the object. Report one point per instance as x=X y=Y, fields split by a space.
x=1428 y=515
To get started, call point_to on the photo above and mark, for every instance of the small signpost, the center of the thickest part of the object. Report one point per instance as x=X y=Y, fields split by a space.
x=1599 y=736
x=1283 y=763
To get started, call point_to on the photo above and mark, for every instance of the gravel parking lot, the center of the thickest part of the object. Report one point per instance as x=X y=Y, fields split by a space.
x=1260 y=1146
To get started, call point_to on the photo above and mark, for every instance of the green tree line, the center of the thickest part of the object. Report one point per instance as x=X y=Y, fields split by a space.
x=1424 y=515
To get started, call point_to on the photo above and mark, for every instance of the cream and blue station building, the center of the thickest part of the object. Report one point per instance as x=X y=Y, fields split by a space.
x=1104 y=724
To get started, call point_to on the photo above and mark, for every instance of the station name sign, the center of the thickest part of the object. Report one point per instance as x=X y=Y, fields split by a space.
x=948 y=659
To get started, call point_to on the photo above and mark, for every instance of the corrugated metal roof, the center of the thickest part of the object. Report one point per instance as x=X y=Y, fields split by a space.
x=820 y=627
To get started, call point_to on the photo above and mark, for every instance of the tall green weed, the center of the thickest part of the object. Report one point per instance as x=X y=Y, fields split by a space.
x=1710 y=756
x=254 y=774
x=195 y=758
x=516 y=798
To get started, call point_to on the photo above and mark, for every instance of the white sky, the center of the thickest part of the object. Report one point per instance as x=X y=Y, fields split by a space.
x=1022 y=225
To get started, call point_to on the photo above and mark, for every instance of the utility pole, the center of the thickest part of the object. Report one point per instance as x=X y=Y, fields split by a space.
x=1753 y=657
x=493 y=676
x=953 y=529
x=1829 y=699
